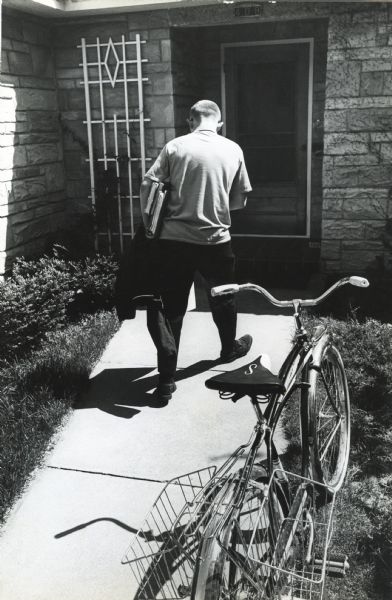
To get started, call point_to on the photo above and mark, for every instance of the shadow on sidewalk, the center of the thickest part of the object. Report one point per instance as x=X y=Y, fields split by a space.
x=120 y=392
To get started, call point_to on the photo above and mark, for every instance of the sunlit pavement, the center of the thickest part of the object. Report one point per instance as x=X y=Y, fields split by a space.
x=66 y=537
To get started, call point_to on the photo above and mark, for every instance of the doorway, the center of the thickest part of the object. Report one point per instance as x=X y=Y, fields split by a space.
x=267 y=90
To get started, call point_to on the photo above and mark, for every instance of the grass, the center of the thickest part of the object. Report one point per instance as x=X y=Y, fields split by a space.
x=37 y=391
x=363 y=518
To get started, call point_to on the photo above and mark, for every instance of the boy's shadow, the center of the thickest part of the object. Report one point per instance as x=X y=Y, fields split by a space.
x=121 y=392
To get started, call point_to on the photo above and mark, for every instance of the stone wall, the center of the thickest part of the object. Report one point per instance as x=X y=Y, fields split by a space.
x=32 y=182
x=358 y=139
x=356 y=126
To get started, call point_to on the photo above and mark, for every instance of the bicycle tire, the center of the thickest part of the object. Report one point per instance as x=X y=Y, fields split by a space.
x=220 y=578
x=329 y=418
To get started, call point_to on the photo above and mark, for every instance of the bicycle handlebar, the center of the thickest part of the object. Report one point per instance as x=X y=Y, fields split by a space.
x=233 y=288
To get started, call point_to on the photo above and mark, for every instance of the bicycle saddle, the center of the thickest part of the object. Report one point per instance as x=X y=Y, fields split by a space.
x=252 y=379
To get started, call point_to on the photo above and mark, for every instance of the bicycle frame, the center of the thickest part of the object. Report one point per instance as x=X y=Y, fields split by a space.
x=215 y=509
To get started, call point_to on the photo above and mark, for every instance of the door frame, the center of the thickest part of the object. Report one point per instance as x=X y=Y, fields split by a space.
x=310 y=42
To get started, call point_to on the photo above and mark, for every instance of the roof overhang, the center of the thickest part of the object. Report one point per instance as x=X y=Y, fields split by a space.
x=67 y=8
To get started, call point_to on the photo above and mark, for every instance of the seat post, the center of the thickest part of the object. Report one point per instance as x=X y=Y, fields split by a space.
x=257 y=409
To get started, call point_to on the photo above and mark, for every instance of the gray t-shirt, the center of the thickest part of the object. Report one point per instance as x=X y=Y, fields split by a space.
x=208 y=178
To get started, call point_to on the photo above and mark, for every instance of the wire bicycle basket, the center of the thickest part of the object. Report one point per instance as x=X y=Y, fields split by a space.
x=288 y=554
x=163 y=552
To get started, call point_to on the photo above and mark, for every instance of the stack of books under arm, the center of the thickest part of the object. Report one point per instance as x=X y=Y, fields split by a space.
x=155 y=207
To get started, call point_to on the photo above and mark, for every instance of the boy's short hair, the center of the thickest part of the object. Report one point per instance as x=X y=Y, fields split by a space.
x=205 y=108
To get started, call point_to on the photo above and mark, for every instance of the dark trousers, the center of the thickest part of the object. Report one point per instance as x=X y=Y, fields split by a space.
x=178 y=263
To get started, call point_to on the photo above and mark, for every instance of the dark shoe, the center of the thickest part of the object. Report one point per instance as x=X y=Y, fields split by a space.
x=241 y=347
x=164 y=391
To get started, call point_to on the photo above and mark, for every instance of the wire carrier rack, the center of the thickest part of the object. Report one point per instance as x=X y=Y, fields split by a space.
x=287 y=554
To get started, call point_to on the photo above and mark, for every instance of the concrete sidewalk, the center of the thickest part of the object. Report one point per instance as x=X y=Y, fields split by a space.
x=67 y=535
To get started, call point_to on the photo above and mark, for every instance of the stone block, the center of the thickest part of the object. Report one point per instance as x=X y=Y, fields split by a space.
x=76 y=100
x=356 y=159
x=28 y=188
x=66 y=84
x=12 y=27
x=362 y=102
x=333 y=207
x=160 y=110
x=375 y=230
x=376 y=65
x=152 y=51
x=6 y=44
x=386 y=152
x=330 y=250
x=31 y=32
x=42 y=153
x=55 y=177
x=368 y=53
x=29 y=99
x=365 y=206
x=38 y=138
x=20 y=47
x=159 y=138
x=67 y=57
x=387 y=84
x=342 y=229
x=372 y=84
x=357 y=36
x=25 y=172
x=151 y=68
x=159 y=34
x=36 y=82
x=335 y=120
x=346 y=143
x=75 y=73
x=368 y=246
x=166 y=51
x=343 y=79
x=359 y=176
x=42 y=59
x=20 y=63
x=385 y=136
x=162 y=84
x=170 y=133
x=373 y=119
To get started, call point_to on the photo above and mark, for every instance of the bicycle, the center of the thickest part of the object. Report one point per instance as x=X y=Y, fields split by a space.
x=257 y=530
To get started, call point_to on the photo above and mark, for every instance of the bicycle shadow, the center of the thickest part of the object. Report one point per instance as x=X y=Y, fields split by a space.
x=123 y=392
x=163 y=563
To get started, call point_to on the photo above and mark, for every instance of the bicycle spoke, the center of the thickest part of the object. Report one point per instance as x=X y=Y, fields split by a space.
x=324 y=450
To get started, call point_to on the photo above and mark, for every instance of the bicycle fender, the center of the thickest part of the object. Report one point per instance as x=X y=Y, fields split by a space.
x=318 y=349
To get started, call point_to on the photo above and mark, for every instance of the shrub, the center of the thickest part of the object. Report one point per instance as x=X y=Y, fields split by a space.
x=31 y=304
x=40 y=295
x=93 y=279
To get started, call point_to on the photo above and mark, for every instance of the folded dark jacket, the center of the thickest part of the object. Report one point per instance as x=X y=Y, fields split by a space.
x=138 y=275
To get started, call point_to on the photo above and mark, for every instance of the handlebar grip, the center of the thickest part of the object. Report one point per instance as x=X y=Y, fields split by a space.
x=221 y=290
x=359 y=281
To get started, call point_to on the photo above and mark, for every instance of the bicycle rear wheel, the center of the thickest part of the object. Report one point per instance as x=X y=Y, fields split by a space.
x=329 y=418
x=225 y=571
